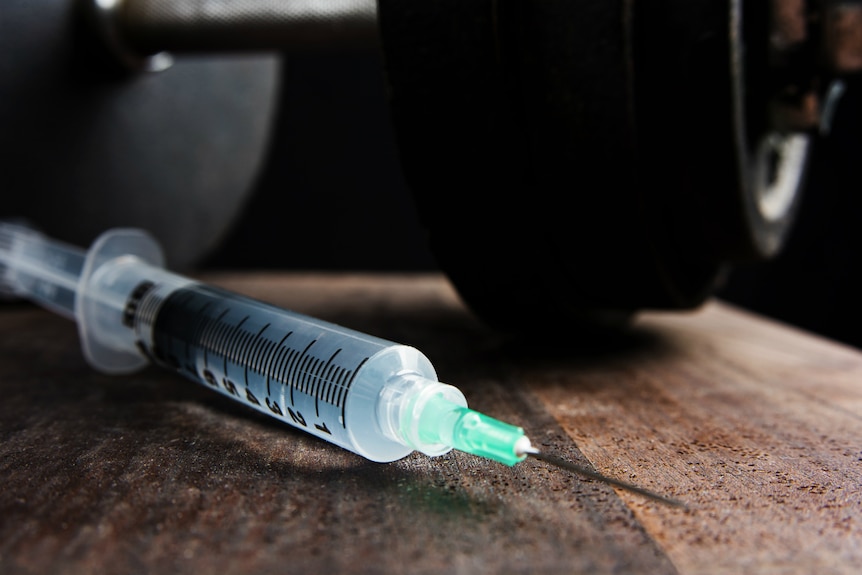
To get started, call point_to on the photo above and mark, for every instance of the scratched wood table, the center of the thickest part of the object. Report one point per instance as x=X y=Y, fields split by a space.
x=756 y=426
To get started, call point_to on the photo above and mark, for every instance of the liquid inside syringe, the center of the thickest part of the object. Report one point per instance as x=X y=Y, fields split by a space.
x=371 y=396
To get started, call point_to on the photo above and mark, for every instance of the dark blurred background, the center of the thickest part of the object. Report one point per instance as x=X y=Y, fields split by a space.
x=816 y=280
x=332 y=197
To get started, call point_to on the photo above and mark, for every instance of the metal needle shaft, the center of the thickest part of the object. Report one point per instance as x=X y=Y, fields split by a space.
x=574 y=468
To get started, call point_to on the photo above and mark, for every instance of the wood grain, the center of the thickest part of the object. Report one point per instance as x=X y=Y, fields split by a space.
x=758 y=427
x=755 y=425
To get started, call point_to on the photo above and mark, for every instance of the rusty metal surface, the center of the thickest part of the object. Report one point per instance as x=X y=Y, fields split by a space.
x=754 y=425
x=151 y=474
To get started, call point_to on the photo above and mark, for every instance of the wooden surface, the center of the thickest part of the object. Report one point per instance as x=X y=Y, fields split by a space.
x=756 y=426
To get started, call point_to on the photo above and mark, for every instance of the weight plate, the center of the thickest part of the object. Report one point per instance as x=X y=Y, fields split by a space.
x=84 y=149
x=576 y=161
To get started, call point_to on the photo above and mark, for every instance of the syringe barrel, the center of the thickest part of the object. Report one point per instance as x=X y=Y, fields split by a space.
x=323 y=378
x=352 y=389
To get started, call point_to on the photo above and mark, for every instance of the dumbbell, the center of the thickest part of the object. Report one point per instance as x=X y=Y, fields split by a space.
x=92 y=138
x=572 y=161
x=86 y=144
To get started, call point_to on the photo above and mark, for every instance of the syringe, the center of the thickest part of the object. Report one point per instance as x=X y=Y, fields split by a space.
x=374 y=397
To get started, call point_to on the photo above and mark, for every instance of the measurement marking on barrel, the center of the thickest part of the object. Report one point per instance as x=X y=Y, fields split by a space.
x=232 y=343
x=198 y=334
x=349 y=383
x=294 y=368
x=320 y=381
x=212 y=336
x=253 y=352
x=279 y=351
